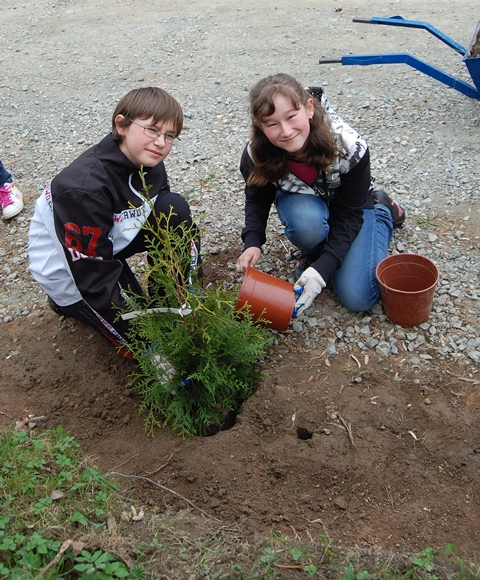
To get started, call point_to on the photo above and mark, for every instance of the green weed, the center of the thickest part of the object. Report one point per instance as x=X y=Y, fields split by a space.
x=47 y=490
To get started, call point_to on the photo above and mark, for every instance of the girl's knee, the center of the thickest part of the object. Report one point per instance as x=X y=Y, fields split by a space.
x=306 y=241
x=305 y=219
x=357 y=304
x=305 y=233
x=358 y=299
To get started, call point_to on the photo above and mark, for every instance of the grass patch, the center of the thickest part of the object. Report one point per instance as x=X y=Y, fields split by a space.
x=61 y=518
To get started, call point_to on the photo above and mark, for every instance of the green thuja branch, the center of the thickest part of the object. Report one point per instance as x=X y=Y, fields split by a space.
x=194 y=367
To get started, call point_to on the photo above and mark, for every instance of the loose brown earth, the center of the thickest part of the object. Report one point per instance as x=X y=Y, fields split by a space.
x=404 y=477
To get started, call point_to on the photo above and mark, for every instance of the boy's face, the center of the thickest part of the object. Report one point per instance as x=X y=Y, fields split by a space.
x=142 y=148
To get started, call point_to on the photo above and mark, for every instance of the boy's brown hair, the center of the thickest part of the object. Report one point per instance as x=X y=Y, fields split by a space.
x=144 y=103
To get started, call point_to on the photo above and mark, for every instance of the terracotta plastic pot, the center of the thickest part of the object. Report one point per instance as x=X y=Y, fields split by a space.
x=407 y=283
x=268 y=298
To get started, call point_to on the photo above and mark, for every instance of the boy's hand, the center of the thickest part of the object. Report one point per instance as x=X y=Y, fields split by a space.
x=308 y=286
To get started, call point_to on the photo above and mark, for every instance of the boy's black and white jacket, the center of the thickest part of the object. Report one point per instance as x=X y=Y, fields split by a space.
x=345 y=186
x=89 y=213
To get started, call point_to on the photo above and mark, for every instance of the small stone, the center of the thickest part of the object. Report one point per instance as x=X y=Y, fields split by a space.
x=297 y=326
x=340 y=503
x=474 y=355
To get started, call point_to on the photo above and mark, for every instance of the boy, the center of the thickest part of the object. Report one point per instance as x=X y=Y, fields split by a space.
x=88 y=220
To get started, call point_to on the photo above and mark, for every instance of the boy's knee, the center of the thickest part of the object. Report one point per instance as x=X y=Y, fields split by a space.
x=174 y=205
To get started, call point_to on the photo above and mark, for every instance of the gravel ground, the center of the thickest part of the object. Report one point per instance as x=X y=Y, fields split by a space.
x=65 y=65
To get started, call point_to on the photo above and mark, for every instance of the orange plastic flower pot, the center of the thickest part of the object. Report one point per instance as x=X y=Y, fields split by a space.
x=268 y=299
x=407 y=283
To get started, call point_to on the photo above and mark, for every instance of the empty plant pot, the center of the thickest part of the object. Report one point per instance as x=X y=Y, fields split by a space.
x=268 y=299
x=407 y=283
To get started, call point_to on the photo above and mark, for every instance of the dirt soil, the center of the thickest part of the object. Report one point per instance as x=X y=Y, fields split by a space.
x=374 y=453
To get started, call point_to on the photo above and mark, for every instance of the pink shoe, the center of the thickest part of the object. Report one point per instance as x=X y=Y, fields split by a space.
x=11 y=200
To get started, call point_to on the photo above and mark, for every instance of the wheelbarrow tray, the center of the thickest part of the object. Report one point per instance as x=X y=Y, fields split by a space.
x=473 y=62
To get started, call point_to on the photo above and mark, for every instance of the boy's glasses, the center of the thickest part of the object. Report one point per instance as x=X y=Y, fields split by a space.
x=152 y=133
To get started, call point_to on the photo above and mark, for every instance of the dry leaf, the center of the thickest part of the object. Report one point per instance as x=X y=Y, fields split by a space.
x=356 y=360
x=133 y=515
x=77 y=547
x=138 y=517
x=111 y=523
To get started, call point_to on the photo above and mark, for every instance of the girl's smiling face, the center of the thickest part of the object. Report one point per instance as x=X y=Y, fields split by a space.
x=288 y=127
x=142 y=149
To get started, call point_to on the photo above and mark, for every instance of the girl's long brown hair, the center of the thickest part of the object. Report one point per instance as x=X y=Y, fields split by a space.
x=271 y=162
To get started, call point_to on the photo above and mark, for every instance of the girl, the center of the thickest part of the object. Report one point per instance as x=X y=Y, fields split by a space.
x=316 y=170
x=89 y=219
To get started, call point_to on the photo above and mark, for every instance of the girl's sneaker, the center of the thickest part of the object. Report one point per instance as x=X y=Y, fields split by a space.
x=302 y=264
x=397 y=211
x=11 y=200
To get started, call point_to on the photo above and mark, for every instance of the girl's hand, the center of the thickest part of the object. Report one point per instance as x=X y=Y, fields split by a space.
x=249 y=258
x=308 y=286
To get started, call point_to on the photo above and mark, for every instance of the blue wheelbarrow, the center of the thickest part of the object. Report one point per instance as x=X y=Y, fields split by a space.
x=471 y=57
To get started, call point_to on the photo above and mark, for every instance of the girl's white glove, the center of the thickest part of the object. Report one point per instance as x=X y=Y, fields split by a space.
x=308 y=286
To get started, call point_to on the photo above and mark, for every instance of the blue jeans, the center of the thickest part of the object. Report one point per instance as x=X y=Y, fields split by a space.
x=4 y=175
x=305 y=218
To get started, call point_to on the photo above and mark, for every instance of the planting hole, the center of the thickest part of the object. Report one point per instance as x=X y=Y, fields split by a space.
x=303 y=433
x=227 y=422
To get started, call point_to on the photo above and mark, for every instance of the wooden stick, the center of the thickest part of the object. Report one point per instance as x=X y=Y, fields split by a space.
x=348 y=427
x=160 y=468
x=63 y=548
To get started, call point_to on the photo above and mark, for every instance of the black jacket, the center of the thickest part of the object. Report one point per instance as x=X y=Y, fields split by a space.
x=345 y=187
x=89 y=213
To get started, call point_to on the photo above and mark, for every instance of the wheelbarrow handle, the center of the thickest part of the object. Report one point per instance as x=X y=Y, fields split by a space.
x=400 y=21
x=363 y=20
x=416 y=63
x=330 y=61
